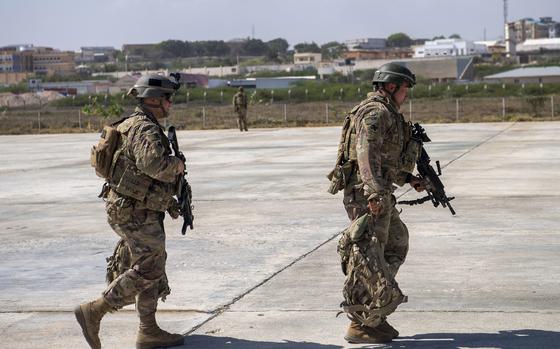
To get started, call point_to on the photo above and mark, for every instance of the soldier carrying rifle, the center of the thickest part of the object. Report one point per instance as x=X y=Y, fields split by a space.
x=377 y=150
x=141 y=172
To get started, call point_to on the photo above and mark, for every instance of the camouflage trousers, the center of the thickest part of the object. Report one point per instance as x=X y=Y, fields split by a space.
x=241 y=119
x=385 y=247
x=389 y=228
x=142 y=279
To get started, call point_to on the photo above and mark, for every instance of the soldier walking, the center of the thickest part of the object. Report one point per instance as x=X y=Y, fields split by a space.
x=375 y=152
x=138 y=192
x=240 y=108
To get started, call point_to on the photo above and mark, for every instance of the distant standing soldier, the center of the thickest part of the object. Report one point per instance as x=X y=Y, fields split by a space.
x=138 y=191
x=376 y=151
x=240 y=108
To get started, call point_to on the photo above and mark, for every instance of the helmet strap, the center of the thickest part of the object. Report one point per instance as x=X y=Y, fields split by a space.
x=157 y=106
x=391 y=94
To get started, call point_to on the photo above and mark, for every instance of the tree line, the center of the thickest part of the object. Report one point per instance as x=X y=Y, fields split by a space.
x=276 y=50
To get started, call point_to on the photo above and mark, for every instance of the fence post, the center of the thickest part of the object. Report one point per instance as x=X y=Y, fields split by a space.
x=203 y=117
x=285 y=113
x=503 y=108
x=552 y=106
x=39 y=120
x=80 y=118
x=457 y=110
x=327 y=112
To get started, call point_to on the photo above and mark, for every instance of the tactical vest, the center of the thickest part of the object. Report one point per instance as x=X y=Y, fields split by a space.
x=127 y=180
x=346 y=169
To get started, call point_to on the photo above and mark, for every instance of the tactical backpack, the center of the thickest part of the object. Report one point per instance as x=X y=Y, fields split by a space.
x=102 y=154
x=346 y=160
x=370 y=290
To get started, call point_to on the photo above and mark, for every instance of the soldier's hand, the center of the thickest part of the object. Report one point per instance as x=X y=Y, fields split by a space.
x=417 y=183
x=374 y=207
x=174 y=211
x=181 y=168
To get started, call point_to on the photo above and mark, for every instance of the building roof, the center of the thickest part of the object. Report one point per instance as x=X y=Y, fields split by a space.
x=527 y=73
x=537 y=44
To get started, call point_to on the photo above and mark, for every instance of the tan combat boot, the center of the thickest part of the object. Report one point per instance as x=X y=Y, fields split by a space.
x=151 y=336
x=386 y=327
x=89 y=317
x=360 y=334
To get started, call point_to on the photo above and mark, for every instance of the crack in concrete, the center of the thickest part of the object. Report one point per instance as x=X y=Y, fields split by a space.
x=225 y=307
x=551 y=312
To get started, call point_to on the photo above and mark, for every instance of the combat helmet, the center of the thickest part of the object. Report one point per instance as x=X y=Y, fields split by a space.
x=395 y=73
x=155 y=86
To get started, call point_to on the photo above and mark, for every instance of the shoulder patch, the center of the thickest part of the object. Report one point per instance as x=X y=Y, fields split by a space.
x=371 y=120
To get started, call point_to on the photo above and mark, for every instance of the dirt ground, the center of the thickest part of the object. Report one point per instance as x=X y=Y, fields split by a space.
x=32 y=119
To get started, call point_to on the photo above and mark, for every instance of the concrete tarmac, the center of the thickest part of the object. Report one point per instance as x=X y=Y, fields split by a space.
x=260 y=270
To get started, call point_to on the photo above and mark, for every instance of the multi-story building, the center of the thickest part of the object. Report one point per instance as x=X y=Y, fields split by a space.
x=518 y=32
x=49 y=61
x=17 y=62
x=449 y=47
x=528 y=28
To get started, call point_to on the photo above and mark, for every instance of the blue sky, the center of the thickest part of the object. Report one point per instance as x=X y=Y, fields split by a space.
x=70 y=24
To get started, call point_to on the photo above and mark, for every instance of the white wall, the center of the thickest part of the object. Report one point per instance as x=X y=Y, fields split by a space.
x=449 y=47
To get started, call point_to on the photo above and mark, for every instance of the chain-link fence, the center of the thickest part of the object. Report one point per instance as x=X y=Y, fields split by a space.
x=196 y=115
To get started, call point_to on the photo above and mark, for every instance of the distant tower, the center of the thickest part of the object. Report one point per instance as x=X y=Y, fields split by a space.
x=505 y=12
x=509 y=36
x=253 y=32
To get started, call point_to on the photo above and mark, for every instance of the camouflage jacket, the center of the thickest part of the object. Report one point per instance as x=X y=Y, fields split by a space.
x=144 y=170
x=240 y=101
x=381 y=146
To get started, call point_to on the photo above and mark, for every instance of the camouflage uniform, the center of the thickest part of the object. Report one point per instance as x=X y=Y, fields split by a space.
x=134 y=157
x=381 y=137
x=143 y=164
x=240 y=108
x=373 y=155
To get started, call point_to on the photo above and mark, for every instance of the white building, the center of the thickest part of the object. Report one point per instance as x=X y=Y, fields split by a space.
x=307 y=58
x=366 y=44
x=449 y=47
x=537 y=45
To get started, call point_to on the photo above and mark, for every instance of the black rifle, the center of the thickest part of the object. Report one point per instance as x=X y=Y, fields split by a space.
x=183 y=190
x=434 y=186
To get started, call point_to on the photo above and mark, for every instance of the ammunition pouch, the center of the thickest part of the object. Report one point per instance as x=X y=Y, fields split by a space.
x=101 y=157
x=370 y=292
x=120 y=262
x=129 y=181
x=410 y=155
